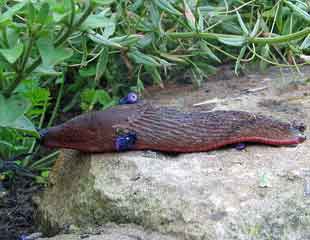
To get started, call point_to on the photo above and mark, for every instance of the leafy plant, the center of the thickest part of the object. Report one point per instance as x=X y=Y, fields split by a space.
x=33 y=51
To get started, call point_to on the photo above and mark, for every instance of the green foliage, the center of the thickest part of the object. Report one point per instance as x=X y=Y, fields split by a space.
x=92 y=97
x=12 y=114
x=61 y=56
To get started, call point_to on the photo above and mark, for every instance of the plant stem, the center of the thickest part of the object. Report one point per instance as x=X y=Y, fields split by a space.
x=50 y=122
x=72 y=26
x=5 y=38
x=263 y=40
x=44 y=159
x=27 y=53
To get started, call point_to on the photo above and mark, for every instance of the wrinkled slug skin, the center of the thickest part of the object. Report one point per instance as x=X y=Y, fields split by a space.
x=169 y=130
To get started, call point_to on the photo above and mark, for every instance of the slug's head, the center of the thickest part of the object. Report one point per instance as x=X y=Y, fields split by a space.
x=299 y=126
x=91 y=132
x=42 y=134
x=64 y=136
x=275 y=132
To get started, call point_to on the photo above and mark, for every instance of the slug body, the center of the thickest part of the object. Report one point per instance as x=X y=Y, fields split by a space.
x=168 y=130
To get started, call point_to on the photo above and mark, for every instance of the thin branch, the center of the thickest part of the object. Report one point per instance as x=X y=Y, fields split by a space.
x=216 y=36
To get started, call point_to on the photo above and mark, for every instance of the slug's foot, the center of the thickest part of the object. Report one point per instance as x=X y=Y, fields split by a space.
x=240 y=146
x=125 y=142
x=131 y=98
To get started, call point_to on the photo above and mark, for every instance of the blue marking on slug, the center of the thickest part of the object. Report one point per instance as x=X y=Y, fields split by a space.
x=125 y=142
x=240 y=146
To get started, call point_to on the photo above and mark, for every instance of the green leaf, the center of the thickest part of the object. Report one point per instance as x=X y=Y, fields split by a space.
x=97 y=38
x=265 y=52
x=110 y=26
x=155 y=75
x=154 y=15
x=127 y=40
x=298 y=11
x=146 y=40
x=88 y=71
x=102 y=63
x=233 y=41
x=12 y=54
x=162 y=61
x=189 y=16
x=10 y=143
x=198 y=74
x=61 y=10
x=167 y=6
x=39 y=98
x=256 y=27
x=306 y=43
x=25 y=125
x=12 y=112
x=2 y=3
x=140 y=85
x=209 y=52
x=11 y=109
x=60 y=79
x=43 y=13
x=45 y=174
x=200 y=24
x=5 y=145
x=287 y=26
x=103 y=97
x=103 y=2
x=206 y=67
x=280 y=17
x=242 y=24
x=141 y=58
x=12 y=36
x=31 y=13
x=99 y=20
x=7 y=15
x=241 y=54
x=174 y=57
x=90 y=97
x=46 y=71
x=135 y=5
x=269 y=13
x=231 y=27
x=40 y=180
x=50 y=55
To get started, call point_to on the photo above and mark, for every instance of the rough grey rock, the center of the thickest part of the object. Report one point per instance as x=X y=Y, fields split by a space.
x=259 y=193
x=114 y=232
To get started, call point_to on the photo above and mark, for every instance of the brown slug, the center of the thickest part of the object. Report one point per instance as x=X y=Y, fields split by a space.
x=146 y=127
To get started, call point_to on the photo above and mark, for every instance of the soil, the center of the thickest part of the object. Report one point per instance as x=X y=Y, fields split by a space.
x=17 y=208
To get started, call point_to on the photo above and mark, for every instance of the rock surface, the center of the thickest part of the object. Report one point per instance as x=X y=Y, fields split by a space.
x=261 y=192
x=114 y=232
